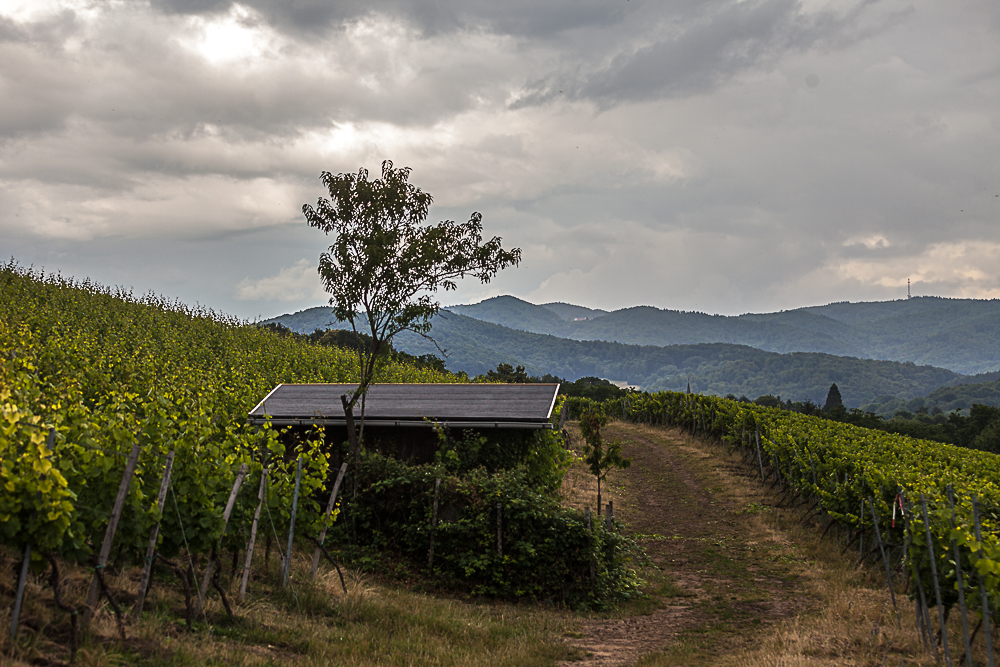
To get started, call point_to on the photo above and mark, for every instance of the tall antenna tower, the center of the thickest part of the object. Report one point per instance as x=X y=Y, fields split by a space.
x=907 y=288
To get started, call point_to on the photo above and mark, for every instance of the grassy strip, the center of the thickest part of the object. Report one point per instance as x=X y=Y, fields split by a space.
x=310 y=623
x=849 y=616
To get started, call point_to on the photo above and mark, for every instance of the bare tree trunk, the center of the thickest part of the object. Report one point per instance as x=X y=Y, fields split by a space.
x=352 y=438
x=598 y=495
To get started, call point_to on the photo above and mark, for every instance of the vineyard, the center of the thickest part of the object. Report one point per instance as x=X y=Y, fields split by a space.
x=123 y=424
x=925 y=510
x=90 y=374
x=124 y=444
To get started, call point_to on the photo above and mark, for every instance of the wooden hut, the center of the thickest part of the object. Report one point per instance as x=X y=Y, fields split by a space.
x=400 y=418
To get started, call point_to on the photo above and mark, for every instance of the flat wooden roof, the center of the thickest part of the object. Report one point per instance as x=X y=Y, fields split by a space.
x=456 y=405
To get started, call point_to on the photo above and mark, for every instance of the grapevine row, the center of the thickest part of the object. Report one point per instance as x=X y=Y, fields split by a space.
x=843 y=468
x=87 y=371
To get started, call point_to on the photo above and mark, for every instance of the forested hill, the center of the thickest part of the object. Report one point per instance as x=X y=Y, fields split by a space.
x=944 y=399
x=475 y=346
x=958 y=334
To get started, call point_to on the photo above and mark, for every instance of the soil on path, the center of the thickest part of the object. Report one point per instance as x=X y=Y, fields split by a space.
x=719 y=573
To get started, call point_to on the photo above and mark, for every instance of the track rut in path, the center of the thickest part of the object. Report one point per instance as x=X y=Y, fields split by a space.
x=720 y=573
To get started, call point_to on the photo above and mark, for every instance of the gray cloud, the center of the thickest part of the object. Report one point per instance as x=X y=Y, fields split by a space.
x=517 y=17
x=719 y=156
x=709 y=49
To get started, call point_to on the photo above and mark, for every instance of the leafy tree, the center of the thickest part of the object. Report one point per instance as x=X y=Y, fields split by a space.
x=601 y=457
x=511 y=375
x=593 y=388
x=507 y=373
x=385 y=265
x=768 y=401
x=989 y=438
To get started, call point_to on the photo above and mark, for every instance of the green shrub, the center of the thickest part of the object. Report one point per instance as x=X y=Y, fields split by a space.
x=547 y=549
x=538 y=453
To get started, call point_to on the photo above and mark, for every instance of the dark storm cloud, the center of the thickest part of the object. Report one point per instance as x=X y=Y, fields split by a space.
x=35 y=96
x=707 y=50
x=133 y=101
x=702 y=154
x=527 y=18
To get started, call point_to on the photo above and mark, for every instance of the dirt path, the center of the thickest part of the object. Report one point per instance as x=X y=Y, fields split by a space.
x=720 y=572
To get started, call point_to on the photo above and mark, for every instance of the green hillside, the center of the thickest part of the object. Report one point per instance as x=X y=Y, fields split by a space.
x=475 y=346
x=958 y=334
x=568 y=311
x=943 y=399
x=87 y=372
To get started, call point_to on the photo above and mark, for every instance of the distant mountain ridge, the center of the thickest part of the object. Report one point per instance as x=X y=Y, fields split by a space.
x=568 y=311
x=957 y=334
x=476 y=346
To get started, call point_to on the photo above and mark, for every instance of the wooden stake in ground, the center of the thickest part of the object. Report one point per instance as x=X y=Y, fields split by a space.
x=240 y=476
x=593 y=563
x=888 y=573
x=19 y=597
x=982 y=587
x=434 y=523
x=147 y=568
x=760 y=459
x=109 y=534
x=934 y=578
x=329 y=510
x=291 y=525
x=960 y=581
x=253 y=535
x=499 y=530
x=22 y=579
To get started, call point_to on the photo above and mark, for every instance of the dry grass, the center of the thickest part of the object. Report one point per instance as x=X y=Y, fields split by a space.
x=848 y=617
x=851 y=619
x=310 y=623
x=579 y=487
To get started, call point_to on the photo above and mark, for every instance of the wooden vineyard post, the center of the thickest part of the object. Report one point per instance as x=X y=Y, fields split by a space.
x=861 y=532
x=760 y=459
x=885 y=559
x=253 y=534
x=210 y=568
x=291 y=525
x=147 y=567
x=22 y=579
x=982 y=586
x=109 y=534
x=923 y=615
x=499 y=530
x=434 y=523
x=610 y=519
x=593 y=564
x=961 y=581
x=329 y=510
x=934 y=576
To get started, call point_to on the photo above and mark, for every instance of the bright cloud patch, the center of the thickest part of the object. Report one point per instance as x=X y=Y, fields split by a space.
x=290 y=284
x=870 y=242
x=962 y=269
x=239 y=35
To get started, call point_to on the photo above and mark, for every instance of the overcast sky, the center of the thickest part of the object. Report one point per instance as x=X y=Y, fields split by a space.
x=719 y=156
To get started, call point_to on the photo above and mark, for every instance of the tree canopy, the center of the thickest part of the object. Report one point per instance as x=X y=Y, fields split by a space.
x=385 y=265
x=600 y=456
x=833 y=399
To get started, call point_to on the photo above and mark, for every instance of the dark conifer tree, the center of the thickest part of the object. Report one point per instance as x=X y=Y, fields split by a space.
x=833 y=400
